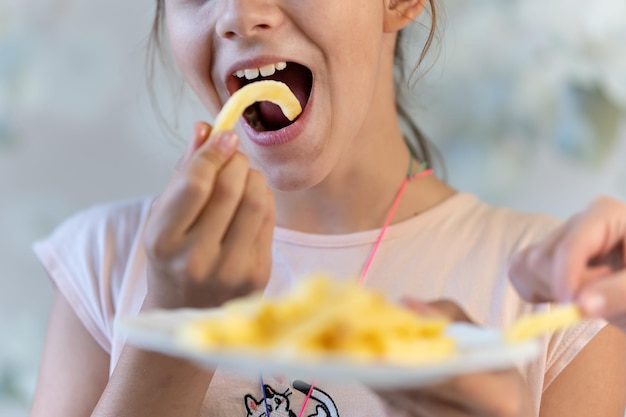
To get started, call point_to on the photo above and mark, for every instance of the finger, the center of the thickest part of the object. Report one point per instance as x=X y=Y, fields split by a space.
x=201 y=132
x=592 y=274
x=421 y=308
x=530 y=270
x=614 y=260
x=265 y=239
x=597 y=233
x=191 y=187
x=534 y=270
x=451 y=310
x=266 y=233
x=250 y=214
x=439 y=308
x=220 y=209
x=604 y=266
x=605 y=298
x=581 y=244
x=241 y=236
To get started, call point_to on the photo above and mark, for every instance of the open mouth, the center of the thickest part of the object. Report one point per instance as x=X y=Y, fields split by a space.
x=265 y=116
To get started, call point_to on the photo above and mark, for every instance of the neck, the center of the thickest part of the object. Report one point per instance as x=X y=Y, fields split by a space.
x=354 y=197
x=352 y=208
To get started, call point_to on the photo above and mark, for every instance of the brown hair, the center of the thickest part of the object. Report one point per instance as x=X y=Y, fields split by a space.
x=419 y=145
x=417 y=142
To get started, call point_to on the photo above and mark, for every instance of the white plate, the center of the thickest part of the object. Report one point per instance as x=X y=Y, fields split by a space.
x=479 y=349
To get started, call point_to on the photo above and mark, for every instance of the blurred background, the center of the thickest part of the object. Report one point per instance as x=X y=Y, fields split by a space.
x=526 y=100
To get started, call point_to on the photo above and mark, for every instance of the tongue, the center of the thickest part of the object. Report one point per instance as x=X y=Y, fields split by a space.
x=271 y=115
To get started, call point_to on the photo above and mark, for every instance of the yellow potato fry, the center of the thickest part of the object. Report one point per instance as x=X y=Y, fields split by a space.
x=234 y=332
x=535 y=325
x=324 y=318
x=266 y=90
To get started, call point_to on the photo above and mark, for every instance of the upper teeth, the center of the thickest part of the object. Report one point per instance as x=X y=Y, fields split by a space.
x=264 y=71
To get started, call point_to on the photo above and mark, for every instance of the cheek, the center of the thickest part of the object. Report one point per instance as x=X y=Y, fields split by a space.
x=354 y=33
x=354 y=51
x=191 y=46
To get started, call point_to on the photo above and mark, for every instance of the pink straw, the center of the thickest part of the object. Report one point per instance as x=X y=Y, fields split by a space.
x=306 y=400
x=384 y=229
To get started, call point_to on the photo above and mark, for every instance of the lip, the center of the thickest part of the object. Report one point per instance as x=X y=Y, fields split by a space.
x=274 y=137
x=286 y=134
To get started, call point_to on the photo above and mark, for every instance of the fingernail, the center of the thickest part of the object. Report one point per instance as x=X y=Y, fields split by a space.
x=227 y=141
x=419 y=307
x=204 y=133
x=593 y=304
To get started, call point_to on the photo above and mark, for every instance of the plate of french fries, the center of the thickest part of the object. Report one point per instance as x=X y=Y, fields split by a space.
x=329 y=329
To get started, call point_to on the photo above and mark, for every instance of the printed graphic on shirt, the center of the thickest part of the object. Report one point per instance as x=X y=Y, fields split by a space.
x=326 y=406
x=278 y=403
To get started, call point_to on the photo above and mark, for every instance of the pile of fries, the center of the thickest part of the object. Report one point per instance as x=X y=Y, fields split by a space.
x=323 y=319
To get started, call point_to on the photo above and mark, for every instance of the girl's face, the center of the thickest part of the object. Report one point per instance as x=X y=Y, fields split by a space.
x=327 y=51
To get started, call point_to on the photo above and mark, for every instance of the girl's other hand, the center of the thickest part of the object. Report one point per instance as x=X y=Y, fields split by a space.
x=486 y=394
x=209 y=234
x=583 y=261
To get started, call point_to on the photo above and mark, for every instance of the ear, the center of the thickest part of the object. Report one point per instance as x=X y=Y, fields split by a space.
x=399 y=13
x=251 y=404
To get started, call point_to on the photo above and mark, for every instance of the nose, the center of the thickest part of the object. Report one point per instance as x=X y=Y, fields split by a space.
x=248 y=18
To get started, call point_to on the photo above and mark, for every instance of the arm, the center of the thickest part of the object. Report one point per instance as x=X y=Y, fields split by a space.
x=150 y=384
x=589 y=386
x=73 y=379
x=74 y=368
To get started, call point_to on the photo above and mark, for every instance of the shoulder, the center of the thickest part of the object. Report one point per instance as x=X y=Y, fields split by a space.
x=502 y=225
x=104 y=234
x=88 y=258
x=476 y=241
x=99 y=217
x=119 y=220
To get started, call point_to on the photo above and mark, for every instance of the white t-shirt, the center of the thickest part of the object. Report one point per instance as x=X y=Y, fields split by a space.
x=458 y=250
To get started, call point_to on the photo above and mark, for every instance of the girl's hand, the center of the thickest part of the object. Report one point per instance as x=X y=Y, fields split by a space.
x=209 y=234
x=583 y=261
x=487 y=394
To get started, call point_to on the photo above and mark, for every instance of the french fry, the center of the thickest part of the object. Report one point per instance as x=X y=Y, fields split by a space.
x=266 y=90
x=534 y=325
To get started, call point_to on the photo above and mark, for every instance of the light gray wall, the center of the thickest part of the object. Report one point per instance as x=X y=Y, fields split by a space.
x=76 y=128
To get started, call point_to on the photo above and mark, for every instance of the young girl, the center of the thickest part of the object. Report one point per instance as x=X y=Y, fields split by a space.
x=267 y=206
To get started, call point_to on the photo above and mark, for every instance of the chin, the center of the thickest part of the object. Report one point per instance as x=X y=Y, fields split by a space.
x=291 y=180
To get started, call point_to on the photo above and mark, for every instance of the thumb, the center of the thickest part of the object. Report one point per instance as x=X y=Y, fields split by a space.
x=605 y=298
x=439 y=308
x=421 y=308
x=201 y=132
